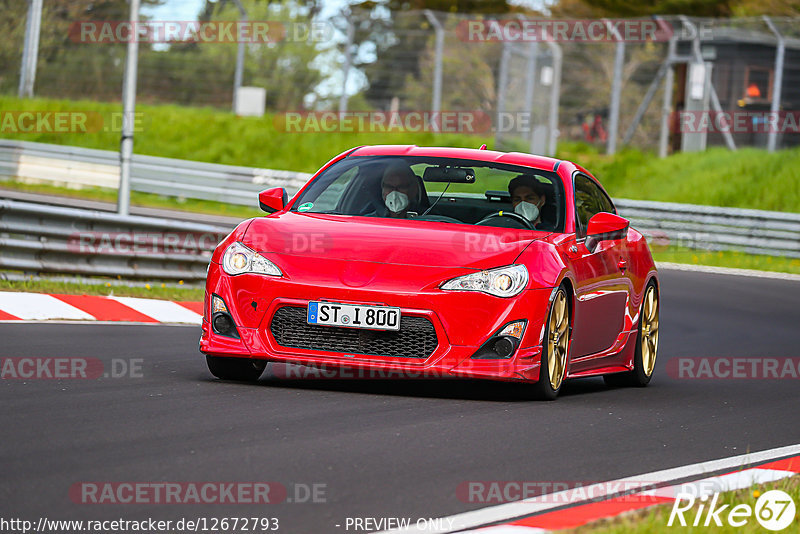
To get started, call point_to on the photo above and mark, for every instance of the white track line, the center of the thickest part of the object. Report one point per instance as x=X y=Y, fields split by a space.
x=508 y=529
x=752 y=273
x=94 y=323
x=164 y=311
x=513 y=510
x=38 y=306
x=722 y=484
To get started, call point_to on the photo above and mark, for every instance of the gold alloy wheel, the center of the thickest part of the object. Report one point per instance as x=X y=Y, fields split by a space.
x=649 y=330
x=558 y=339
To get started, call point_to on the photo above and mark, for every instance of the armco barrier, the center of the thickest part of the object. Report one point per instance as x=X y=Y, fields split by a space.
x=84 y=167
x=49 y=239
x=686 y=225
x=771 y=233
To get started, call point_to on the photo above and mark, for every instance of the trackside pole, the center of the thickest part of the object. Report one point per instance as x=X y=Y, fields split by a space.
x=128 y=109
x=616 y=90
x=30 y=51
x=775 y=104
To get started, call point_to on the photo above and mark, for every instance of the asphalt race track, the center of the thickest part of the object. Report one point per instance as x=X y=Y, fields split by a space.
x=388 y=447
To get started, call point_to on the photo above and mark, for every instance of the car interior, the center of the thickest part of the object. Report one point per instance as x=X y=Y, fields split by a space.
x=474 y=198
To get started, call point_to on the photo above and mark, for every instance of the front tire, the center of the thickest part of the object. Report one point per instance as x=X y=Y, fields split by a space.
x=644 y=360
x=555 y=348
x=239 y=369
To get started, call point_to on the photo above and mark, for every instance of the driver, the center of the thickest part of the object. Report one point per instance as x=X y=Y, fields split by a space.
x=528 y=197
x=398 y=185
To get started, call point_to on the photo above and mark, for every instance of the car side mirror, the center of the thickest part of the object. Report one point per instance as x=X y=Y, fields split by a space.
x=272 y=200
x=605 y=227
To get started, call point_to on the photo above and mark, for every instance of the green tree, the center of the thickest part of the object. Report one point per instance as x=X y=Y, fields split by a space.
x=398 y=35
x=696 y=8
x=638 y=8
x=202 y=73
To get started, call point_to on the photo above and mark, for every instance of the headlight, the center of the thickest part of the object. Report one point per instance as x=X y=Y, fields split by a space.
x=240 y=259
x=501 y=282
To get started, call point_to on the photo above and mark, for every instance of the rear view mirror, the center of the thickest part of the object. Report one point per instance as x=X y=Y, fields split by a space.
x=272 y=200
x=605 y=227
x=463 y=175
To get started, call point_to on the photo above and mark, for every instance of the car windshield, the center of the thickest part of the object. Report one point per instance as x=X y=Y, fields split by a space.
x=448 y=190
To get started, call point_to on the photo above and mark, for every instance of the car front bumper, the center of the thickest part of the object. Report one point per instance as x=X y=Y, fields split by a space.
x=463 y=322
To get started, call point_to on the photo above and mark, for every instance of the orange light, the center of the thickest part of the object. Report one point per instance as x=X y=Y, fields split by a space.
x=753 y=91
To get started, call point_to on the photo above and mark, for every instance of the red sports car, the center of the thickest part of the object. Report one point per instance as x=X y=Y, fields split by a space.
x=440 y=262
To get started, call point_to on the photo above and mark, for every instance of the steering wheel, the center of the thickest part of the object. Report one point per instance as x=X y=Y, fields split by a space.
x=516 y=217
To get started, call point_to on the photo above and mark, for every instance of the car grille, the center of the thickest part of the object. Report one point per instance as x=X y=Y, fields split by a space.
x=415 y=339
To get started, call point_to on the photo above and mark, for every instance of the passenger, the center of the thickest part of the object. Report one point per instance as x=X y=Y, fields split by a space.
x=399 y=189
x=528 y=196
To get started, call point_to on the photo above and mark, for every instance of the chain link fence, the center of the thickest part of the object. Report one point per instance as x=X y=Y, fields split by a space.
x=534 y=89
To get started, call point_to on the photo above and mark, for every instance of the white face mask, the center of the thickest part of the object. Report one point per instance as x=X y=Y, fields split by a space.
x=527 y=210
x=396 y=201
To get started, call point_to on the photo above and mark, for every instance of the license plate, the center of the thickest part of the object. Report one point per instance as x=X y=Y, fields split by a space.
x=354 y=315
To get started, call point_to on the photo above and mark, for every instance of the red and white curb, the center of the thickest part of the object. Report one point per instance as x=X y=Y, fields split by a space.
x=581 y=515
x=547 y=513
x=17 y=306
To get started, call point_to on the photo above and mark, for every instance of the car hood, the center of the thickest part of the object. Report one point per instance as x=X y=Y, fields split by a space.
x=388 y=241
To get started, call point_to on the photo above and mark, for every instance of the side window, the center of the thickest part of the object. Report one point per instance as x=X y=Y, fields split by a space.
x=603 y=201
x=328 y=199
x=589 y=201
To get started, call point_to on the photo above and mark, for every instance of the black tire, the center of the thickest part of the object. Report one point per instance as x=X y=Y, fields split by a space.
x=239 y=369
x=638 y=376
x=545 y=389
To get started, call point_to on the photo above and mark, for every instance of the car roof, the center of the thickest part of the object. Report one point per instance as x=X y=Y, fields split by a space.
x=511 y=158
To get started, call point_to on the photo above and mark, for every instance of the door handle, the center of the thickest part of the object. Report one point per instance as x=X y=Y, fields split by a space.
x=622 y=265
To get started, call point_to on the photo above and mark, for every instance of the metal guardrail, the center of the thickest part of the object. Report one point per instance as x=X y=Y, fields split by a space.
x=49 y=239
x=38 y=238
x=771 y=233
x=84 y=167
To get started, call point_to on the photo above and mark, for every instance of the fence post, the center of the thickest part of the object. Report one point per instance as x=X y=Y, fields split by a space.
x=666 y=105
x=775 y=104
x=616 y=89
x=348 y=60
x=555 y=96
x=239 y=72
x=30 y=52
x=533 y=57
x=501 y=90
x=128 y=108
x=436 y=105
x=698 y=58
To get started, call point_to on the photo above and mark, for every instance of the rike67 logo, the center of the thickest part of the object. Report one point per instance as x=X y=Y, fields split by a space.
x=774 y=510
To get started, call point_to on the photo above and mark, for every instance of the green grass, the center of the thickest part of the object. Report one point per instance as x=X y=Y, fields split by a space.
x=727 y=258
x=654 y=520
x=748 y=178
x=215 y=136
x=154 y=291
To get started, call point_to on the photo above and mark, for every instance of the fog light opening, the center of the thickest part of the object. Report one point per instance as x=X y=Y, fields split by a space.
x=223 y=325
x=504 y=343
x=504 y=347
